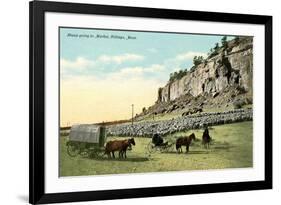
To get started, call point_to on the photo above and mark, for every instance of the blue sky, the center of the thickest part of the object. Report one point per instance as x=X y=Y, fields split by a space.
x=102 y=77
x=100 y=57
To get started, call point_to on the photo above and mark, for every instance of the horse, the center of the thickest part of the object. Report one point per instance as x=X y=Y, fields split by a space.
x=127 y=146
x=206 y=139
x=118 y=145
x=184 y=141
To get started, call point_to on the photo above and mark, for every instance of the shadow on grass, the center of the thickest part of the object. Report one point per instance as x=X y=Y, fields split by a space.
x=223 y=147
x=199 y=152
x=215 y=145
x=203 y=150
x=128 y=159
x=190 y=152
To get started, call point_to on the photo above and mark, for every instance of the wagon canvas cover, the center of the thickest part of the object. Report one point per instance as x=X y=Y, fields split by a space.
x=85 y=133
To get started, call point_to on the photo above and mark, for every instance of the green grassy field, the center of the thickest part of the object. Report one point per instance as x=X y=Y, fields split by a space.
x=231 y=148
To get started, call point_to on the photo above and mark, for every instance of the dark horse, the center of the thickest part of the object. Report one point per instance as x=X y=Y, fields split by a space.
x=118 y=145
x=206 y=139
x=184 y=141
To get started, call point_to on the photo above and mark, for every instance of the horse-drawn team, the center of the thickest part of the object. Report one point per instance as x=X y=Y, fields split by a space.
x=122 y=146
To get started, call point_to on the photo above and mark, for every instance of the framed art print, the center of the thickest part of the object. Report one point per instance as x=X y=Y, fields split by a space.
x=139 y=102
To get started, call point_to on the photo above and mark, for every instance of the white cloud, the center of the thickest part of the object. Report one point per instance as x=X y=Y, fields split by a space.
x=132 y=70
x=79 y=63
x=189 y=55
x=82 y=63
x=152 y=50
x=154 y=68
x=136 y=72
x=120 y=58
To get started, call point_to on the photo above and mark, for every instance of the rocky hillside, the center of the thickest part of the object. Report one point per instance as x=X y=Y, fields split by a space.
x=221 y=80
x=229 y=68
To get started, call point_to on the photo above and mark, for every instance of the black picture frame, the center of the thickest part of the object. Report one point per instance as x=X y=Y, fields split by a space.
x=37 y=10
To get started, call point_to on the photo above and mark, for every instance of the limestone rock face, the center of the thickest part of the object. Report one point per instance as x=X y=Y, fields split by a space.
x=229 y=68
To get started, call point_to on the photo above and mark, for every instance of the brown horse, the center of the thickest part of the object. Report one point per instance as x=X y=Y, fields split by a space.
x=127 y=146
x=118 y=145
x=184 y=141
x=206 y=139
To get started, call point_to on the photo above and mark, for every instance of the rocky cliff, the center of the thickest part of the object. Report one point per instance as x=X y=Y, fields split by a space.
x=230 y=68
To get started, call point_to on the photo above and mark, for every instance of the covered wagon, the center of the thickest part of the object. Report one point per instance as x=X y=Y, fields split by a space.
x=87 y=140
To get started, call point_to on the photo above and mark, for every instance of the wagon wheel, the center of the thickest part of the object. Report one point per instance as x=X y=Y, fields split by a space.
x=170 y=147
x=164 y=148
x=85 y=153
x=151 y=148
x=73 y=149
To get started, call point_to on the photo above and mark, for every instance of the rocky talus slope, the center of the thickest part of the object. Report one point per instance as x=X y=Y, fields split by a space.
x=146 y=129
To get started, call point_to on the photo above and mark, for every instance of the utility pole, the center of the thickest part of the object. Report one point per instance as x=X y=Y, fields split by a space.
x=132 y=114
